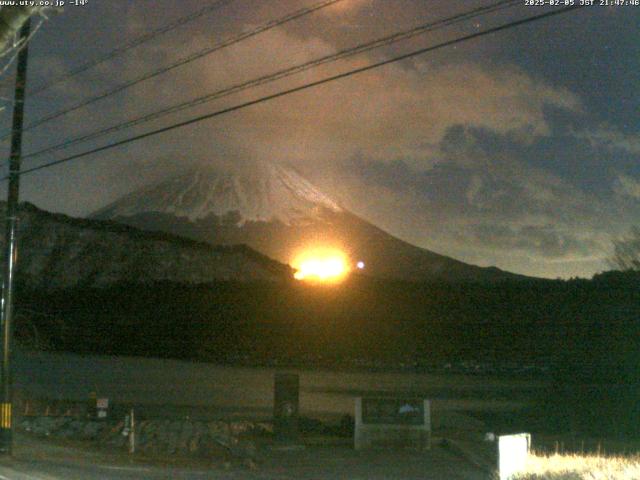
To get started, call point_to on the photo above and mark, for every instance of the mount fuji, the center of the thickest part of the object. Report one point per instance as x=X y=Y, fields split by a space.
x=276 y=211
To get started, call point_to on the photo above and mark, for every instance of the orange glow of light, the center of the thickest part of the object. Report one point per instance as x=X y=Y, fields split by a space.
x=321 y=265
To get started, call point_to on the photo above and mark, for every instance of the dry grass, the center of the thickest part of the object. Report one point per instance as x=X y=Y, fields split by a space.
x=581 y=467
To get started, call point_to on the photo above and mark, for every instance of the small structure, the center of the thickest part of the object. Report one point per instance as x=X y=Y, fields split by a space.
x=392 y=422
x=513 y=451
x=102 y=408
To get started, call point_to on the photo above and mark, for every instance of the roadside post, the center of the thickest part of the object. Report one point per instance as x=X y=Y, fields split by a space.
x=130 y=430
x=286 y=405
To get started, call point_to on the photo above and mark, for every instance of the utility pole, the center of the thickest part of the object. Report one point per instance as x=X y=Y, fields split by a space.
x=11 y=245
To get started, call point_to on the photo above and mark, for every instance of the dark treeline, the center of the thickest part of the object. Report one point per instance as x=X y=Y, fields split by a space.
x=585 y=331
x=542 y=322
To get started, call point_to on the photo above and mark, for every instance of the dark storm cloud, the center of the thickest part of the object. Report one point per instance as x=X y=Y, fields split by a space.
x=594 y=53
x=437 y=183
x=488 y=192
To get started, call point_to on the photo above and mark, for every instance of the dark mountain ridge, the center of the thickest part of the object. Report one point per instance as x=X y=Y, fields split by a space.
x=57 y=251
x=277 y=212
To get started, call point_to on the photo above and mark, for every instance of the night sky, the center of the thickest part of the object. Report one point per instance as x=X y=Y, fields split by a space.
x=519 y=149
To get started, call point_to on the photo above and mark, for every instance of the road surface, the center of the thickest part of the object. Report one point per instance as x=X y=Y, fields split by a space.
x=42 y=460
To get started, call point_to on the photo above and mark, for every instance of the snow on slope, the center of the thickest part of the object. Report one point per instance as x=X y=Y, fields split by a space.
x=275 y=211
x=266 y=193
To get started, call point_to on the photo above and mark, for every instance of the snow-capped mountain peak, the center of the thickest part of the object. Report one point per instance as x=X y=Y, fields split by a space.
x=268 y=192
x=274 y=210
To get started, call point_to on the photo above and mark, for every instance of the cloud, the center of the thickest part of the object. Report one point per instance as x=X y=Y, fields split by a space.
x=396 y=111
x=346 y=7
x=414 y=146
x=485 y=206
x=627 y=186
x=610 y=138
x=549 y=241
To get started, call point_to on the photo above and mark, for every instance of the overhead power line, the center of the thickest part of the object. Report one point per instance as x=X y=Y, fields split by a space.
x=300 y=88
x=358 y=49
x=183 y=61
x=130 y=45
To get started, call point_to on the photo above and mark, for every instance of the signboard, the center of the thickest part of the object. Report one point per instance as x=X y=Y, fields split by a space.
x=102 y=406
x=392 y=422
x=513 y=451
x=392 y=411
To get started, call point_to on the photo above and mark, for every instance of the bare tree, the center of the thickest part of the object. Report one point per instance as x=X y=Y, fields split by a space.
x=626 y=251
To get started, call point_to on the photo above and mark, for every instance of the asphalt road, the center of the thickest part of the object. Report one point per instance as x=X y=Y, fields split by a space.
x=41 y=460
x=210 y=389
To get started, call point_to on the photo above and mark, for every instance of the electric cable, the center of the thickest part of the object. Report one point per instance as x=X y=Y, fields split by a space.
x=300 y=88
